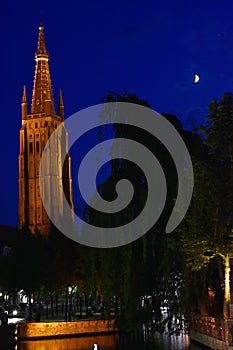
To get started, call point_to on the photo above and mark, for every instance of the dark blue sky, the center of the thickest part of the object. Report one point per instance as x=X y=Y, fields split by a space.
x=150 y=48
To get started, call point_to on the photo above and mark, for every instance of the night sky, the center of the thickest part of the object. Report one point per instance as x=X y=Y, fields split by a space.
x=150 y=48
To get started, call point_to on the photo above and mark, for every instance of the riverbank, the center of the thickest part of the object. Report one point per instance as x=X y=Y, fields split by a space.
x=215 y=333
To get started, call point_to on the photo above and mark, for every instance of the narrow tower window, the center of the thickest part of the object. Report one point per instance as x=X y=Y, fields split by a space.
x=30 y=147
x=37 y=146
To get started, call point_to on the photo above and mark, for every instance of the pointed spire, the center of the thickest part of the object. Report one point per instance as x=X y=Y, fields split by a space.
x=60 y=102
x=24 y=104
x=24 y=98
x=61 y=106
x=41 y=48
x=42 y=96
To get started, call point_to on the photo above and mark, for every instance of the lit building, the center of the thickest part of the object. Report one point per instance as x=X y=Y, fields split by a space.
x=37 y=126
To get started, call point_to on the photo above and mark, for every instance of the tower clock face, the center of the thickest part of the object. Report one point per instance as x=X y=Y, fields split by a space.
x=37 y=101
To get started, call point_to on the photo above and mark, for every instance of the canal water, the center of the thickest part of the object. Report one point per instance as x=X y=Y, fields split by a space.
x=109 y=342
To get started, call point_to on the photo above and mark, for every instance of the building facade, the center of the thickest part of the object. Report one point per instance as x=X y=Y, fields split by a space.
x=37 y=126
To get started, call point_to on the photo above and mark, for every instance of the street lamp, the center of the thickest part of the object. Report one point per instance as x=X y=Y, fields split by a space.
x=69 y=303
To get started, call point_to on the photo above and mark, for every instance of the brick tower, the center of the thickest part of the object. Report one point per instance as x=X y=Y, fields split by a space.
x=37 y=126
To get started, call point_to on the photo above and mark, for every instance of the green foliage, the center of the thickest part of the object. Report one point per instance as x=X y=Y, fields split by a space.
x=209 y=221
x=218 y=135
x=207 y=229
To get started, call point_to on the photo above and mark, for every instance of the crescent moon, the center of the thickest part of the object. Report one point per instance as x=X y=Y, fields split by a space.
x=196 y=78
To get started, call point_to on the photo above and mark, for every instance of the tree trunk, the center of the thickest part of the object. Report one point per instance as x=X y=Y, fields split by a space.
x=202 y=304
x=116 y=305
x=30 y=306
x=52 y=306
x=46 y=308
x=66 y=307
x=227 y=291
x=86 y=304
x=80 y=305
x=201 y=292
x=70 y=307
x=102 y=310
x=56 y=304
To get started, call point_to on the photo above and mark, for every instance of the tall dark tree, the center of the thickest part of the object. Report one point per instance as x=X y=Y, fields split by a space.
x=153 y=265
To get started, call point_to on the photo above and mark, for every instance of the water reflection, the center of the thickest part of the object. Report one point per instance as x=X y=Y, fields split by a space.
x=109 y=342
x=106 y=342
x=172 y=342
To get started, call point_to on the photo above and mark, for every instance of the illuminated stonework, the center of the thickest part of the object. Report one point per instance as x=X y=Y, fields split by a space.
x=37 y=127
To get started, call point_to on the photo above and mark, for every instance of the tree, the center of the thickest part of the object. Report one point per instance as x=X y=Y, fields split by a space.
x=150 y=266
x=209 y=223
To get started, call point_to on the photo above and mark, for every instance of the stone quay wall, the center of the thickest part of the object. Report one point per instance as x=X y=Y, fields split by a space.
x=212 y=331
x=62 y=329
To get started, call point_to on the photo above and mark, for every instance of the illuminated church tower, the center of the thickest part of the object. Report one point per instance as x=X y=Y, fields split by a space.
x=37 y=126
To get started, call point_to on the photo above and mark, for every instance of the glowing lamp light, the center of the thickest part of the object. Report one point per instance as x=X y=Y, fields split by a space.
x=95 y=347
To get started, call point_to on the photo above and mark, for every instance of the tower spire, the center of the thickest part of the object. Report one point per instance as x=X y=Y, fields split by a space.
x=41 y=48
x=61 y=106
x=24 y=98
x=42 y=96
x=24 y=104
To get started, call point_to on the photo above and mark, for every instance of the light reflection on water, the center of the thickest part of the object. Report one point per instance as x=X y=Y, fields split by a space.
x=172 y=342
x=109 y=342
x=106 y=342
